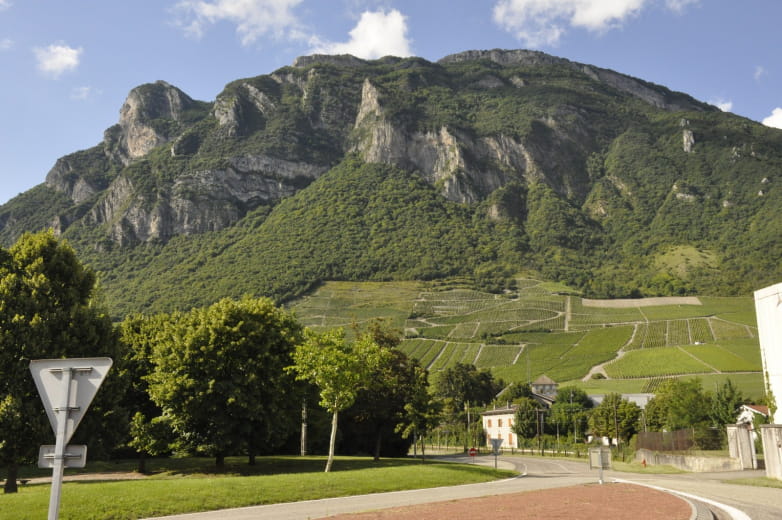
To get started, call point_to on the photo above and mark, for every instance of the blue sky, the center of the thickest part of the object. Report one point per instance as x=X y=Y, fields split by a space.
x=68 y=65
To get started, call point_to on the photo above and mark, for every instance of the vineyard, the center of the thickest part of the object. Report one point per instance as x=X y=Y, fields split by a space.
x=541 y=329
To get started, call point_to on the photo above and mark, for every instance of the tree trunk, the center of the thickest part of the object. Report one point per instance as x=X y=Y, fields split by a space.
x=423 y=450
x=332 y=441
x=142 y=463
x=251 y=452
x=10 y=478
x=378 y=441
x=303 y=446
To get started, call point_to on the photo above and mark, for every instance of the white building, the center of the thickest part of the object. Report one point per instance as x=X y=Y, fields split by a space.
x=498 y=424
x=747 y=414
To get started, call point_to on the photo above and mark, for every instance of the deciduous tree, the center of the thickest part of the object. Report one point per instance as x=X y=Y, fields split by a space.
x=220 y=375
x=150 y=432
x=570 y=411
x=525 y=421
x=615 y=418
x=725 y=404
x=678 y=404
x=339 y=369
x=423 y=413
x=46 y=311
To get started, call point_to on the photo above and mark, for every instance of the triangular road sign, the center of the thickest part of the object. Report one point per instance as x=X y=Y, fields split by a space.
x=51 y=376
x=495 y=444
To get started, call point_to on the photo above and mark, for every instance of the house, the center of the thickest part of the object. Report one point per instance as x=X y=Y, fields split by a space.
x=748 y=413
x=640 y=399
x=498 y=424
x=544 y=386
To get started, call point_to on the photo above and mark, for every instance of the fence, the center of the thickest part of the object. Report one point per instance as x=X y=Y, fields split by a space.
x=681 y=440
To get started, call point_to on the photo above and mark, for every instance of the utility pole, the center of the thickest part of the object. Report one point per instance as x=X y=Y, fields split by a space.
x=616 y=426
x=467 y=409
x=575 y=419
x=539 y=413
x=303 y=440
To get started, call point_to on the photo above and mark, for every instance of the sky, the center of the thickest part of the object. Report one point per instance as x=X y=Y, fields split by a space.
x=67 y=66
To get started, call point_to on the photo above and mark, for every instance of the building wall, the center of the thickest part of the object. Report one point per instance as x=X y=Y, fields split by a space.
x=499 y=427
x=768 y=305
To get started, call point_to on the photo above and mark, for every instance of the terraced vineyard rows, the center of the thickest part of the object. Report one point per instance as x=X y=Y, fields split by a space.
x=537 y=330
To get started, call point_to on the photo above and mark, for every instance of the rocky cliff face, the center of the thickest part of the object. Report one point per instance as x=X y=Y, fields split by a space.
x=467 y=169
x=264 y=138
x=143 y=117
x=64 y=177
x=199 y=201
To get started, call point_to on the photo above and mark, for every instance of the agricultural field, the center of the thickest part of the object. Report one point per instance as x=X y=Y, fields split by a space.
x=543 y=328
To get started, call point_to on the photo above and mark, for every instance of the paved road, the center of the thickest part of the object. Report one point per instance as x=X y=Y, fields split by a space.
x=537 y=473
x=755 y=502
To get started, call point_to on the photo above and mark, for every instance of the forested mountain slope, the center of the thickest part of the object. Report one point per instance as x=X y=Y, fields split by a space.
x=484 y=164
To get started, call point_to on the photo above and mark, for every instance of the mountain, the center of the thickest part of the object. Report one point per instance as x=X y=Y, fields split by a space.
x=481 y=165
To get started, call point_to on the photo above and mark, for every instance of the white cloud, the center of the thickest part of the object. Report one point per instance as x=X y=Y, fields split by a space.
x=722 y=104
x=5 y=4
x=6 y=43
x=57 y=58
x=544 y=22
x=679 y=5
x=759 y=73
x=253 y=18
x=83 y=93
x=376 y=34
x=775 y=119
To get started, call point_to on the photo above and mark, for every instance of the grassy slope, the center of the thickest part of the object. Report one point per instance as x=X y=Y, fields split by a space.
x=522 y=334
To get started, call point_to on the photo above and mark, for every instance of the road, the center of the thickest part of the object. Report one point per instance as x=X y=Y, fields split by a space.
x=756 y=502
x=727 y=501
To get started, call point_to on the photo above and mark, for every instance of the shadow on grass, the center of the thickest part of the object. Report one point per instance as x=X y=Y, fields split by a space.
x=234 y=466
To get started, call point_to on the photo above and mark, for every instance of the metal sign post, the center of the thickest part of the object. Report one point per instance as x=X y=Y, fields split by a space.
x=67 y=387
x=600 y=458
x=495 y=445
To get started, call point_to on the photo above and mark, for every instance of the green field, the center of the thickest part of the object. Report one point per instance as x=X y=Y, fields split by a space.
x=539 y=329
x=193 y=484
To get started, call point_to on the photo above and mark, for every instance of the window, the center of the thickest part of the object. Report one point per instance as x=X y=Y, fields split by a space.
x=499 y=423
x=510 y=439
x=488 y=421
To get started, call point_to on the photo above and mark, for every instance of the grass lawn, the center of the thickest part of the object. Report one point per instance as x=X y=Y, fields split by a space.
x=759 y=482
x=188 y=485
x=637 y=467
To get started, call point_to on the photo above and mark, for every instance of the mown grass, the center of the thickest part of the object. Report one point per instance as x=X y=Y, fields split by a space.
x=638 y=467
x=758 y=482
x=194 y=485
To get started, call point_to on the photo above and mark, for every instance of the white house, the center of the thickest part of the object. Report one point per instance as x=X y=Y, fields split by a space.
x=544 y=386
x=497 y=424
x=747 y=414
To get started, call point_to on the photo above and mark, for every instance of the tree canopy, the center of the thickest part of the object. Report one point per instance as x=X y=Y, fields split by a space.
x=339 y=368
x=46 y=312
x=219 y=375
x=615 y=418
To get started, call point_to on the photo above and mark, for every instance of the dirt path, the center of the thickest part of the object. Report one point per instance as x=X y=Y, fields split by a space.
x=588 y=502
x=642 y=302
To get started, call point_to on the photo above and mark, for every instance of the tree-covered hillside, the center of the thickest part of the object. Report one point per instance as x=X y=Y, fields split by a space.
x=482 y=165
